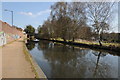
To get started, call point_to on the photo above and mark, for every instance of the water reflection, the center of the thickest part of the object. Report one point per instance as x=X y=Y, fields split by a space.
x=95 y=72
x=30 y=45
x=64 y=61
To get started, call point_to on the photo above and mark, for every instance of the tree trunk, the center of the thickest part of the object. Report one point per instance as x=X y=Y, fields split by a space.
x=100 y=43
x=100 y=38
x=73 y=39
x=64 y=39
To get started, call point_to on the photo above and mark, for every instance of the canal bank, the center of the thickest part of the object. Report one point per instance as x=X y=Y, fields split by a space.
x=15 y=63
x=37 y=70
x=113 y=49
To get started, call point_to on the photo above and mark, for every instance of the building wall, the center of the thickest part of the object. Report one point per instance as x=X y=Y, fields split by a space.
x=8 y=33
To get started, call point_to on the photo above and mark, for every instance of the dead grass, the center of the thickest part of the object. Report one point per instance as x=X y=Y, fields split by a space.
x=92 y=43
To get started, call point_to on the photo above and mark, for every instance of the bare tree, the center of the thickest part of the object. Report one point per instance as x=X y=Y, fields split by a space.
x=99 y=15
x=77 y=14
x=44 y=30
x=59 y=15
x=85 y=33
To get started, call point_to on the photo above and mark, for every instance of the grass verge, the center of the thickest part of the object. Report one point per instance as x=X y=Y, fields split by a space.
x=29 y=58
x=36 y=69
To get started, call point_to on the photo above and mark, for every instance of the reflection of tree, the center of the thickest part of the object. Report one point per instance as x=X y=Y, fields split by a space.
x=64 y=61
x=43 y=45
x=70 y=65
x=102 y=69
x=60 y=53
x=30 y=45
x=98 y=53
x=97 y=63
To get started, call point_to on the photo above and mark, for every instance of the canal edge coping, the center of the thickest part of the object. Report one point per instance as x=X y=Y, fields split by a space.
x=36 y=69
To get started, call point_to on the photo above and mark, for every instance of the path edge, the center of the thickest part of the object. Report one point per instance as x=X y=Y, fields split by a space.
x=36 y=69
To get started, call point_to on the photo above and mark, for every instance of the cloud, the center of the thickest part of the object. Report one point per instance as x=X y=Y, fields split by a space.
x=44 y=12
x=37 y=14
x=27 y=13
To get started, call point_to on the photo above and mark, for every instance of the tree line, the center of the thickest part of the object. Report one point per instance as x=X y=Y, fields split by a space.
x=77 y=20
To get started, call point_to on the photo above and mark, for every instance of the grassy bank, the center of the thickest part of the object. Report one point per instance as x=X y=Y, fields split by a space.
x=90 y=42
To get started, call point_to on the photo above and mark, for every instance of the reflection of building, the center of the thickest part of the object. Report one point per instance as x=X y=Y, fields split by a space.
x=9 y=33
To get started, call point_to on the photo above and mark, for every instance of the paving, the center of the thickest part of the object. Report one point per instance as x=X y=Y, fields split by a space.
x=14 y=63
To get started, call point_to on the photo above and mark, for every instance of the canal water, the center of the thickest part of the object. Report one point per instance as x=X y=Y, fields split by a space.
x=64 y=61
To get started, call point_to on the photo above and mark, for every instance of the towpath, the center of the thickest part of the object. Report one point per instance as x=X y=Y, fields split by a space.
x=14 y=62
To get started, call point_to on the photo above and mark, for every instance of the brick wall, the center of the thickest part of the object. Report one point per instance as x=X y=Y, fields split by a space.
x=11 y=33
x=10 y=30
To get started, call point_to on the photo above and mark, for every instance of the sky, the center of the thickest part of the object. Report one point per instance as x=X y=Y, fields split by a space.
x=35 y=13
x=26 y=13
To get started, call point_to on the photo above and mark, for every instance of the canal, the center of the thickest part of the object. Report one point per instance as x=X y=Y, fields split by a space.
x=64 y=61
